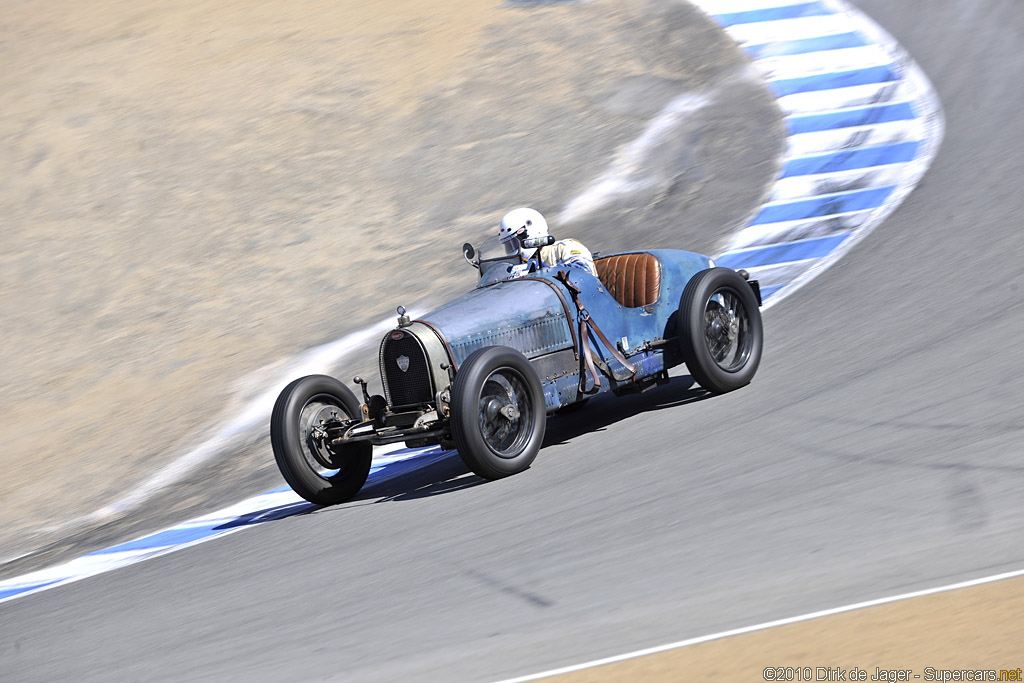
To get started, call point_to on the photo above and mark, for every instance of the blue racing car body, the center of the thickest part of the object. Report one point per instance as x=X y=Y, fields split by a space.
x=632 y=302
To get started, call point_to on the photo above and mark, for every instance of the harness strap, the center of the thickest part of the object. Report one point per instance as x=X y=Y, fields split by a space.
x=615 y=354
x=590 y=359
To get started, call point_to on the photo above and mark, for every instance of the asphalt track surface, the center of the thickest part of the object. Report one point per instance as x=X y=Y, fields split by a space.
x=876 y=452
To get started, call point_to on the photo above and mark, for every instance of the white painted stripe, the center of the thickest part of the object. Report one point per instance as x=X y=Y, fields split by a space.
x=778 y=273
x=843 y=98
x=730 y=6
x=829 y=61
x=807 y=186
x=423 y=461
x=791 y=231
x=98 y=563
x=846 y=110
x=767 y=625
x=838 y=195
x=775 y=242
x=788 y=29
x=820 y=142
x=86 y=565
x=247 y=506
x=929 y=112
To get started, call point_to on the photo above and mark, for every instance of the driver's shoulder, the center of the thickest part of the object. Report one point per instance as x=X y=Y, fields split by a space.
x=569 y=242
x=570 y=247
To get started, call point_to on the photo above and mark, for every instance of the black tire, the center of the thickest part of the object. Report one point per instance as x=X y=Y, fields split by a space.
x=720 y=333
x=309 y=470
x=492 y=444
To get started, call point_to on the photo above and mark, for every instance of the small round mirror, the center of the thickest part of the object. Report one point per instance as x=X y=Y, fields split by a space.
x=469 y=253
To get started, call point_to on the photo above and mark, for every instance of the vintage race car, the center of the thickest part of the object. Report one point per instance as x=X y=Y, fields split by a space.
x=482 y=373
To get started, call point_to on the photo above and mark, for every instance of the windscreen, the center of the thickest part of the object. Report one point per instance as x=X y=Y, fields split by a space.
x=495 y=258
x=496 y=250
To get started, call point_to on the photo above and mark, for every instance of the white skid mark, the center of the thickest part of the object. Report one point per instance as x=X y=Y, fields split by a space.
x=627 y=173
x=252 y=416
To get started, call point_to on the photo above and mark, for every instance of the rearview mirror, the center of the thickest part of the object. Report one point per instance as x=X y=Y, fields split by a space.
x=469 y=253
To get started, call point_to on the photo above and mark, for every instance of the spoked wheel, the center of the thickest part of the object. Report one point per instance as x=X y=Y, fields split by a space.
x=317 y=472
x=720 y=330
x=498 y=412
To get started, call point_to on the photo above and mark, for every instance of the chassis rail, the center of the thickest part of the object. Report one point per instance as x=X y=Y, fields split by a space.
x=371 y=430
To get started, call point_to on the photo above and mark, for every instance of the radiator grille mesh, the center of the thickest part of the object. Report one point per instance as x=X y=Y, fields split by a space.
x=411 y=385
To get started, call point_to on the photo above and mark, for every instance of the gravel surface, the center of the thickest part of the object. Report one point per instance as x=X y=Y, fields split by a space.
x=200 y=190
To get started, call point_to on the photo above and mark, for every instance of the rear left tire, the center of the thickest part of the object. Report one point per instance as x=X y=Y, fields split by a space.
x=498 y=413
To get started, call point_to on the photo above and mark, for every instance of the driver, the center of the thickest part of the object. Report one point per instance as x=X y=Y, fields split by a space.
x=537 y=248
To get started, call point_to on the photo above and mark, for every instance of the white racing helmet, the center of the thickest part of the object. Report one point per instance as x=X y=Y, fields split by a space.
x=527 y=227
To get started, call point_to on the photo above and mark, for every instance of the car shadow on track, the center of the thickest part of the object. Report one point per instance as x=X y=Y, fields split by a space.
x=450 y=474
x=446 y=476
x=605 y=410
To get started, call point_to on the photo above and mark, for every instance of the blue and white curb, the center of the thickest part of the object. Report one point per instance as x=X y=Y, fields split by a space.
x=863 y=121
x=864 y=124
x=388 y=463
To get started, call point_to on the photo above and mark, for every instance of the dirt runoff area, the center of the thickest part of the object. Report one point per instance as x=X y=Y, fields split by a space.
x=194 y=190
x=970 y=634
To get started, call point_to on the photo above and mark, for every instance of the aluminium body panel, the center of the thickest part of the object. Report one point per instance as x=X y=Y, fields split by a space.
x=525 y=315
x=530 y=315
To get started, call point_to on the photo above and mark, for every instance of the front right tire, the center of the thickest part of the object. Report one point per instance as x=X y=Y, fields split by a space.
x=319 y=474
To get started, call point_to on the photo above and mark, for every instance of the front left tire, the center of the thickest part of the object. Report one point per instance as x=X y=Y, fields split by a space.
x=498 y=413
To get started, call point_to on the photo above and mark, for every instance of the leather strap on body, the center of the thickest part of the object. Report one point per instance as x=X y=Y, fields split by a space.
x=590 y=359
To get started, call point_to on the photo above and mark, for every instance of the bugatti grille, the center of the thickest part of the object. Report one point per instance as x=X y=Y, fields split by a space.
x=403 y=365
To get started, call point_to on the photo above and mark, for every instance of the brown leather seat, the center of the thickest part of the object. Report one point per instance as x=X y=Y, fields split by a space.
x=633 y=279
